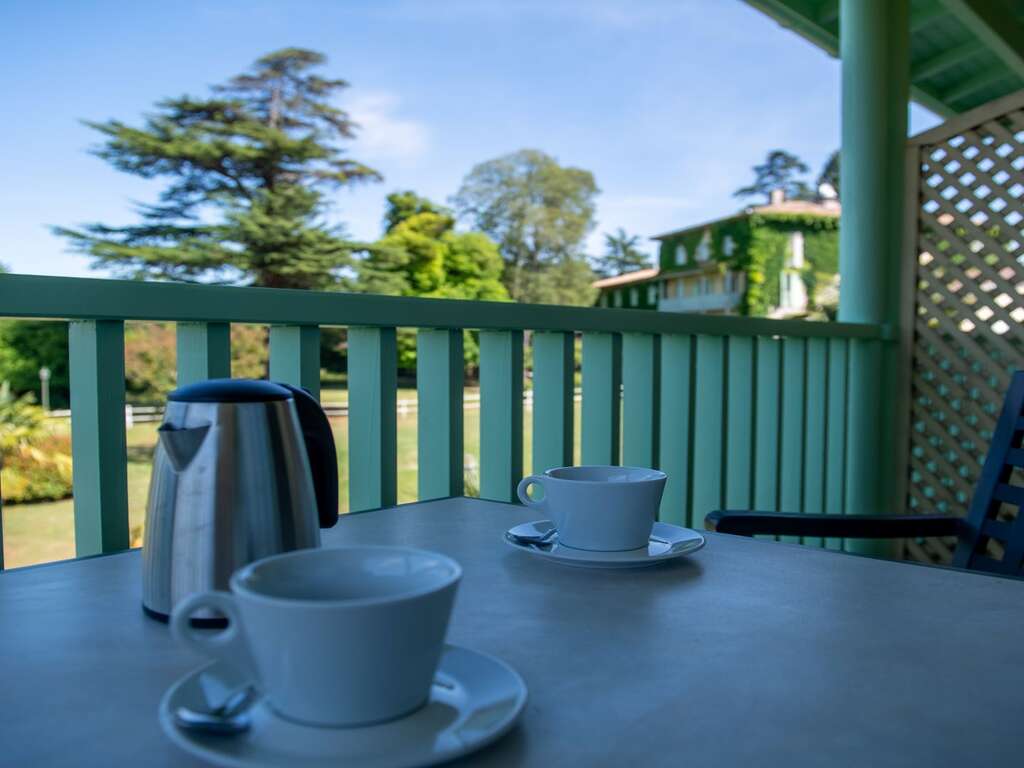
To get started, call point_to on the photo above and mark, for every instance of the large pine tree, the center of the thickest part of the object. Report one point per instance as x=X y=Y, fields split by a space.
x=248 y=166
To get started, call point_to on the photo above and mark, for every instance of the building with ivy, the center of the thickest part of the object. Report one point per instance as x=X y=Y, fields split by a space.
x=775 y=260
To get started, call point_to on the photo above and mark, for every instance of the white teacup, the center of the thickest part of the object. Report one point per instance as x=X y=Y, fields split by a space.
x=602 y=509
x=334 y=637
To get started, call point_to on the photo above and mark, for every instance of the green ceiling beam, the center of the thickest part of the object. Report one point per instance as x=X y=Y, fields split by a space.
x=829 y=12
x=974 y=84
x=996 y=26
x=922 y=17
x=943 y=61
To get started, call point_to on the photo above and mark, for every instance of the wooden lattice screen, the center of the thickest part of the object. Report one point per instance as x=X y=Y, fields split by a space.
x=968 y=336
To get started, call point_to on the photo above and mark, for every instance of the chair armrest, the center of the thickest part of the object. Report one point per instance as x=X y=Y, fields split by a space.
x=749 y=523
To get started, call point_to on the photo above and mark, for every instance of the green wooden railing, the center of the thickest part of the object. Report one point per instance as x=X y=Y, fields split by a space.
x=740 y=412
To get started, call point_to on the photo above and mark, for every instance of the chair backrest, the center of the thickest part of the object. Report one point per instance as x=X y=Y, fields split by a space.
x=993 y=534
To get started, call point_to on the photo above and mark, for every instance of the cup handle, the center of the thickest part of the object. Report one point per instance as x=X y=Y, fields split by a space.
x=524 y=486
x=228 y=645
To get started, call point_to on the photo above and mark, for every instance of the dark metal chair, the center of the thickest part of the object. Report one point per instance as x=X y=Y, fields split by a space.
x=989 y=538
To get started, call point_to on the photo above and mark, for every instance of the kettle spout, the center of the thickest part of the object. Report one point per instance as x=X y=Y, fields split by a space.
x=182 y=444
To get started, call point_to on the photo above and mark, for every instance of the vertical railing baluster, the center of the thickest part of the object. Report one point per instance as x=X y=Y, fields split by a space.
x=767 y=423
x=204 y=352
x=709 y=427
x=815 y=440
x=739 y=488
x=372 y=421
x=676 y=428
x=501 y=414
x=602 y=398
x=439 y=421
x=863 y=487
x=640 y=417
x=295 y=356
x=791 y=475
x=835 y=470
x=99 y=455
x=553 y=384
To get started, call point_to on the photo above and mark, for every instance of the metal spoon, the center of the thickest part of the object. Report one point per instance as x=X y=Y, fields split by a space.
x=536 y=541
x=227 y=719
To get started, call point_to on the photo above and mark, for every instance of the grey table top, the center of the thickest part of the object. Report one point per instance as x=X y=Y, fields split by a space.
x=747 y=653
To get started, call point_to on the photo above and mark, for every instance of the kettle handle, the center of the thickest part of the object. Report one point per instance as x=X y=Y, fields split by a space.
x=323 y=458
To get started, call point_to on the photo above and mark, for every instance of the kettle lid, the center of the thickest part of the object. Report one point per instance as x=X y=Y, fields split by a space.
x=230 y=391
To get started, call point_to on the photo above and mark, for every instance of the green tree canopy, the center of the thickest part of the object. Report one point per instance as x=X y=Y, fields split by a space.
x=622 y=254
x=778 y=171
x=421 y=254
x=539 y=213
x=248 y=167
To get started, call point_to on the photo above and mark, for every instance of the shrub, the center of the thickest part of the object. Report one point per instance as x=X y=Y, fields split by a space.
x=35 y=461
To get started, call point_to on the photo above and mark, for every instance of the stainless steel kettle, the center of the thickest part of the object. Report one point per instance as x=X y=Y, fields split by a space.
x=243 y=469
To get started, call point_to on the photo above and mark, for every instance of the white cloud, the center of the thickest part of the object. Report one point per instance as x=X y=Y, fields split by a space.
x=383 y=132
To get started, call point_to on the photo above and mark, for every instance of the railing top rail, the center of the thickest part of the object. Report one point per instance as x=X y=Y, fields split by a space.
x=67 y=298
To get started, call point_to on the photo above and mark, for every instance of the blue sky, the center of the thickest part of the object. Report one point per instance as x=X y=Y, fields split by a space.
x=668 y=102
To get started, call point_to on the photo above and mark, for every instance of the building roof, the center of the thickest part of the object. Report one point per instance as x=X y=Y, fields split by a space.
x=626 y=279
x=828 y=209
x=963 y=53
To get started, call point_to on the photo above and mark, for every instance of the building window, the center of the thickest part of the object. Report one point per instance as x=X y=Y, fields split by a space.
x=634 y=297
x=730 y=282
x=652 y=294
x=618 y=298
x=704 y=248
x=728 y=245
x=703 y=288
x=681 y=254
x=796 y=251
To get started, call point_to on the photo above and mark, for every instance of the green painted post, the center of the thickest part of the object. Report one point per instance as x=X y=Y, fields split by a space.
x=767 y=424
x=501 y=414
x=295 y=356
x=204 y=352
x=98 y=452
x=875 y=53
x=602 y=398
x=676 y=428
x=791 y=472
x=440 y=370
x=709 y=428
x=815 y=445
x=835 y=471
x=553 y=384
x=640 y=378
x=739 y=449
x=372 y=420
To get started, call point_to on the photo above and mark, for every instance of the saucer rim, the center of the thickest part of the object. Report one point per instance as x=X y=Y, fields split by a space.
x=179 y=738
x=596 y=560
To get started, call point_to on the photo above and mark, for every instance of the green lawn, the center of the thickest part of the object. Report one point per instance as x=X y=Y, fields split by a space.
x=37 y=533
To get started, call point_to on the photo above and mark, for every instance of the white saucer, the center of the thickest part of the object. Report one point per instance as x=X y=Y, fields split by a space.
x=475 y=700
x=667 y=543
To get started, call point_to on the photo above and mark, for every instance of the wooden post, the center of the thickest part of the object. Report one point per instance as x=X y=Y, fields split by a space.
x=601 y=413
x=553 y=369
x=295 y=356
x=204 y=352
x=98 y=448
x=373 y=419
x=439 y=373
x=501 y=414
x=875 y=53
